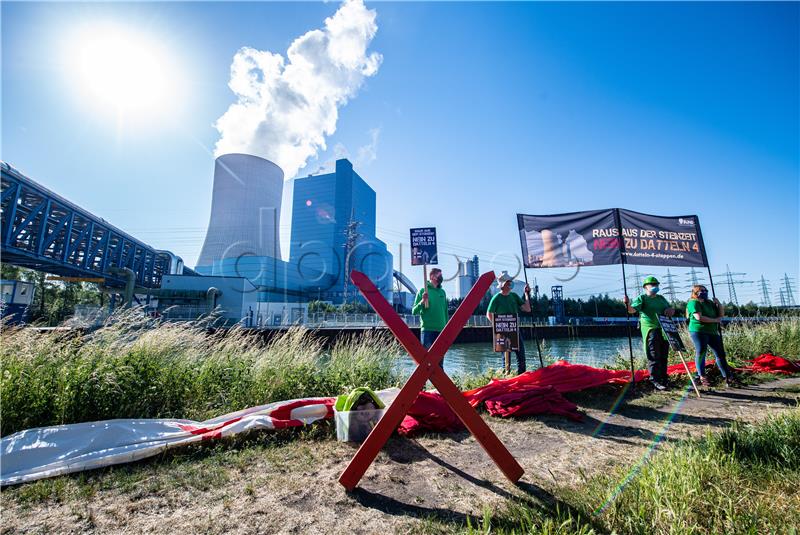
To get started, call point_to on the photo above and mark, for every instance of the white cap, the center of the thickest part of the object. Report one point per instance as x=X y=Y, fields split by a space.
x=503 y=278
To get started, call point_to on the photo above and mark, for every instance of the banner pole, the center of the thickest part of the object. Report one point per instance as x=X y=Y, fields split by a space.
x=533 y=320
x=628 y=323
x=425 y=282
x=618 y=220
x=689 y=373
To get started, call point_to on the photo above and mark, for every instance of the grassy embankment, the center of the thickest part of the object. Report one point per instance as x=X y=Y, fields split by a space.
x=132 y=369
x=745 y=479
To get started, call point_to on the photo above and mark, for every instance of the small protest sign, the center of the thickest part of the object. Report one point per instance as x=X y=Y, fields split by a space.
x=423 y=246
x=673 y=335
x=505 y=333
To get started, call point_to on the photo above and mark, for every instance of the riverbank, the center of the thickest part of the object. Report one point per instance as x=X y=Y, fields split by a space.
x=287 y=482
x=138 y=368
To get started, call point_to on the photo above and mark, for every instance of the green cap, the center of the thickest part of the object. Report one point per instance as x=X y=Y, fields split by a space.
x=650 y=280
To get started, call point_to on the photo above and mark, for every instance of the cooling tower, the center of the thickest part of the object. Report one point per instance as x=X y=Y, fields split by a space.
x=464 y=281
x=245 y=209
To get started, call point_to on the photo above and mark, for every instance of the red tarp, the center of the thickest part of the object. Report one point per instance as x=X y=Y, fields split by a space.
x=539 y=392
x=769 y=363
x=536 y=392
x=764 y=363
x=430 y=412
x=678 y=369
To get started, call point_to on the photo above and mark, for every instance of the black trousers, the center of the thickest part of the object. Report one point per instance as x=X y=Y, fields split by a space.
x=656 y=348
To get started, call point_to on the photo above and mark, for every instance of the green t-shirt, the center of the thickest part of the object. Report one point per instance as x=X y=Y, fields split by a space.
x=649 y=308
x=706 y=308
x=505 y=304
x=433 y=318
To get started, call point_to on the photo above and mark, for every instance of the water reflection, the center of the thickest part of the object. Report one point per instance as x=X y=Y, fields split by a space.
x=472 y=359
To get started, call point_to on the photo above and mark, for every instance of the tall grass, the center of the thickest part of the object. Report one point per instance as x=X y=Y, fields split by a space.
x=134 y=368
x=782 y=338
x=742 y=342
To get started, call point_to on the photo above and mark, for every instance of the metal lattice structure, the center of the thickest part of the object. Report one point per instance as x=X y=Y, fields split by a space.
x=557 y=299
x=43 y=231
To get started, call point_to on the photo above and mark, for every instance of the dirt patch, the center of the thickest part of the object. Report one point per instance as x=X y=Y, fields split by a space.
x=414 y=484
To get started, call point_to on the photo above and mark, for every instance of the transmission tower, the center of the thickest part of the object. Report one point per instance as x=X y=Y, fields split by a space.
x=351 y=237
x=787 y=290
x=693 y=277
x=731 y=287
x=670 y=286
x=733 y=279
x=637 y=280
x=782 y=297
x=765 y=293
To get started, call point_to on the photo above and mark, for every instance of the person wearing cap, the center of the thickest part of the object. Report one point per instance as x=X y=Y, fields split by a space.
x=649 y=306
x=430 y=304
x=507 y=302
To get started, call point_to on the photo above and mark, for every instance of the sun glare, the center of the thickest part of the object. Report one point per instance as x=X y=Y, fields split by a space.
x=120 y=69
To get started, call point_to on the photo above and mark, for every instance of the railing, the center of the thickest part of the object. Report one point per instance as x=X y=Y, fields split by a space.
x=329 y=320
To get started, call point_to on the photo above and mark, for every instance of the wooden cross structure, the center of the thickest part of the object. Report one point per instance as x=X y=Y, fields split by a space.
x=428 y=367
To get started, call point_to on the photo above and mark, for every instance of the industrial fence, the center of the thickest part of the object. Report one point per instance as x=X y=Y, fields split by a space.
x=93 y=316
x=330 y=320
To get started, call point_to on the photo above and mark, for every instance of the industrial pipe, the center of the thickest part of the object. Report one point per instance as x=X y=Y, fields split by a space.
x=211 y=295
x=130 y=282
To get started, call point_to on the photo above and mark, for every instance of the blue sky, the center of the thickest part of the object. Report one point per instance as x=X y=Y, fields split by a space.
x=482 y=110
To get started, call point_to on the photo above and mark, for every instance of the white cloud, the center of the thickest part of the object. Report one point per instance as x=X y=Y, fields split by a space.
x=365 y=155
x=286 y=109
x=368 y=153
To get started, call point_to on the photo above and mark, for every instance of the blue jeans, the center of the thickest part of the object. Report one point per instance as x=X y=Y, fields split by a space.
x=702 y=341
x=427 y=338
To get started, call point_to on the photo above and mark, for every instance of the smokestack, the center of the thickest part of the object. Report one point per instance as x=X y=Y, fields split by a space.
x=245 y=209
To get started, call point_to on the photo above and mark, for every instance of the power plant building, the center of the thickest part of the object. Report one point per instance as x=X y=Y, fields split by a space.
x=468 y=274
x=332 y=232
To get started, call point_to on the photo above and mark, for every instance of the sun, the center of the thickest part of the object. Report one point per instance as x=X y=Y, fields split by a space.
x=123 y=70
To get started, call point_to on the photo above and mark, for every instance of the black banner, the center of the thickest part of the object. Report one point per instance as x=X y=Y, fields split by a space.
x=652 y=240
x=575 y=239
x=592 y=238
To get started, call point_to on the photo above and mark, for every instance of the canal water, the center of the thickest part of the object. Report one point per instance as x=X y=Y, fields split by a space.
x=473 y=359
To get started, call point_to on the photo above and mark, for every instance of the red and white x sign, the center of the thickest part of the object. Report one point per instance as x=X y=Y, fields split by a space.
x=428 y=368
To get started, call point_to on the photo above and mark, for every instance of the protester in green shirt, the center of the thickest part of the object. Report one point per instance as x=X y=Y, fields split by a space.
x=430 y=305
x=507 y=302
x=649 y=306
x=704 y=319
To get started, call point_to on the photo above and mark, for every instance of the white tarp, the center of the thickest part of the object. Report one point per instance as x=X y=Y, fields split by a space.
x=50 y=451
x=62 y=449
